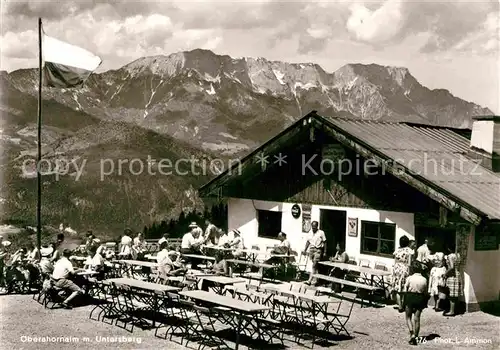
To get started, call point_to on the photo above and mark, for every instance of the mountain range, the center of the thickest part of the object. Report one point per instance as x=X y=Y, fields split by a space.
x=187 y=104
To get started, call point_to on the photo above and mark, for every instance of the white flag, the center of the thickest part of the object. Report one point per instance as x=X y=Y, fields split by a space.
x=66 y=65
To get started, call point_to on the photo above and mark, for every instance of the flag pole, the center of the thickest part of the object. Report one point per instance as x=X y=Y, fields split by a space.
x=39 y=143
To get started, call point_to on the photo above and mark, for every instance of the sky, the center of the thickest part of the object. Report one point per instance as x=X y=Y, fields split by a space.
x=448 y=44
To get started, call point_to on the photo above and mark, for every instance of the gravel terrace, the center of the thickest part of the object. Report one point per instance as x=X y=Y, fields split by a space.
x=371 y=328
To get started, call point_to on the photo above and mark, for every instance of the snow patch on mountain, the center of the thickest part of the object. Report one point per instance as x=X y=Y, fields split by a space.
x=351 y=84
x=75 y=97
x=232 y=77
x=229 y=136
x=153 y=92
x=211 y=91
x=279 y=76
x=306 y=86
x=211 y=79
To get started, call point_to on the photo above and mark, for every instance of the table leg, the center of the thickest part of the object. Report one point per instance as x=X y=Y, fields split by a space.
x=238 y=331
x=155 y=306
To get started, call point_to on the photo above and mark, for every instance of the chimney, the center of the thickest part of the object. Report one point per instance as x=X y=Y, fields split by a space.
x=485 y=142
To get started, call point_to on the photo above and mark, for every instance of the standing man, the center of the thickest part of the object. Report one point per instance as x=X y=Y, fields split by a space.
x=317 y=249
x=211 y=233
x=423 y=251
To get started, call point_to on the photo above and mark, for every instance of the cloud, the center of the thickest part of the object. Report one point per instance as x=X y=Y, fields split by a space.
x=18 y=45
x=485 y=40
x=444 y=23
x=378 y=26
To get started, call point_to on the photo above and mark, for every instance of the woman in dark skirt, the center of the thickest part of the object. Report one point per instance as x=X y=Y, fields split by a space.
x=415 y=300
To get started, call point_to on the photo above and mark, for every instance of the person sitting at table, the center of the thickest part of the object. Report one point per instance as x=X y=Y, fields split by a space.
x=62 y=278
x=32 y=259
x=139 y=245
x=282 y=248
x=340 y=254
x=109 y=254
x=57 y=246
x=96 y=263
x=46 y=266
x=90 y=240
x=238 y=244
x=224 y=239
x=101 y=249
x=33 y=253
x=127 y=233
x=169 y=261
x=220 y=266
x=126 y=251
x=17 y=271
x=3 y=258
x=164 y=238
x=191 y=243
x=341 y=257
x=81 y=250
x=192 y=240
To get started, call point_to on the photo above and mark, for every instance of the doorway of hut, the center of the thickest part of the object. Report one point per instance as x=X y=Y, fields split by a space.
x=442 y=236
x=333 y=223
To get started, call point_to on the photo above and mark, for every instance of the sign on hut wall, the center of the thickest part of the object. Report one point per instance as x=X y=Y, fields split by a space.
x=486 y=237
x=296 y=211
x=306 y=217
x=352 y=228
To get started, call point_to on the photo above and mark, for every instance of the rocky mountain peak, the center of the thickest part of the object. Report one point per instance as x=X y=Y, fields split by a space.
x=158 y=65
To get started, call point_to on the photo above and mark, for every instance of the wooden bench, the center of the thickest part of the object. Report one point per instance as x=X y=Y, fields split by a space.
x=366 y=287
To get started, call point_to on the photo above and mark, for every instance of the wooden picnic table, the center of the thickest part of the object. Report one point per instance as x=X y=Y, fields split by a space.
x=216 y=247
x=139 y=263
x=319 y=299
x=128 y=266
x=368 y=287
x=196 y=256
x=226 y=301
x=154 y=287
x=242 y=307
x=221 y=281
x=86 y=272
x=361 y=270
x=254 y=252
x=249 y=263
x=78 y=258
x=356 y=268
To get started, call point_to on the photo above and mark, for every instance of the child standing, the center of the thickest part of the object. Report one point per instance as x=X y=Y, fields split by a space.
x=437 y=282
x=415 y=300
